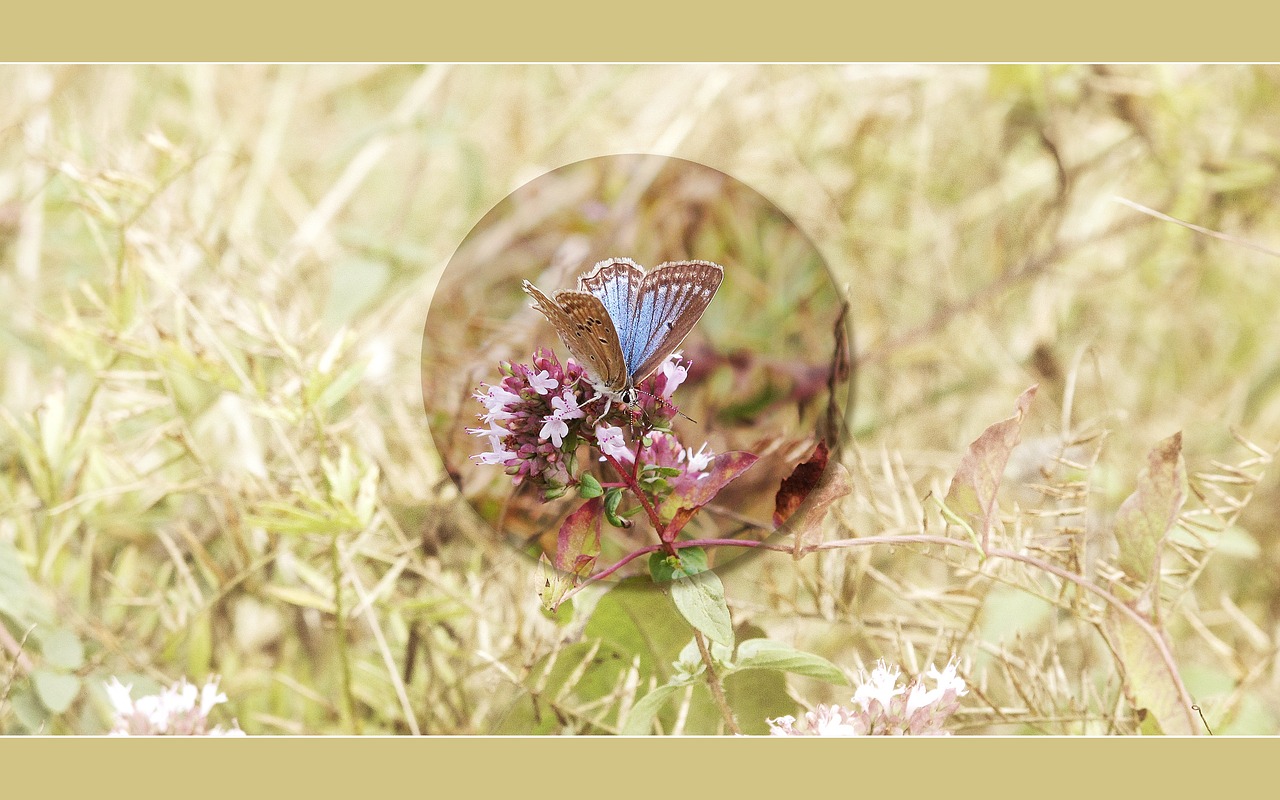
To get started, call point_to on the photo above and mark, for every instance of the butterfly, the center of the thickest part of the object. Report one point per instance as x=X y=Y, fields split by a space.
x=622 y=322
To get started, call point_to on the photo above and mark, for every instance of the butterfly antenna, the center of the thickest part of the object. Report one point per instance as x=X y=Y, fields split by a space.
x=686 y=416
x=665 y=402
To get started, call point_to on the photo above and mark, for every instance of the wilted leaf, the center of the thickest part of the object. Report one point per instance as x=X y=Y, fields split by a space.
x=578 y=543
x=835 y=484
x=693 y=490
x=1145 y=517
x=972 y=495
x=799 y=484
x=577 y=546
x=700 y=600
x=555 y=584
x=1153 y=687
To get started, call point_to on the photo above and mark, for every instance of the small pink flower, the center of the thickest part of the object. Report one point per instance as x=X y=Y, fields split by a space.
x=554 y=429
x=542 y=382
x=698 y=461
x=612 y=443
x=882 y=707
x=180 y=710
x=495 y=456
x=881 y=687
x=822 y=721
x=495 y=401
x=531 y=425
x=566 y=406
x=675 y=374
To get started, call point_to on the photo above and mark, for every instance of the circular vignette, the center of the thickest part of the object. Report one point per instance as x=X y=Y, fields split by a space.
x=770 y=367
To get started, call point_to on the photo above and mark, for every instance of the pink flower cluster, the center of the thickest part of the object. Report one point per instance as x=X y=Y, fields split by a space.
x=173 y=712
x=537 y=415
x=534 y=421
x=883 y=707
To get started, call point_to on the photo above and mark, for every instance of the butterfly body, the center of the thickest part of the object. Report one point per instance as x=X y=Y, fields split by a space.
x=622 y=322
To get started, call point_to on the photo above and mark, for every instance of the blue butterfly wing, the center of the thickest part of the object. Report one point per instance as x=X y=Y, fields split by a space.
x=670 y=301
x=616 y=283
x=653 y=312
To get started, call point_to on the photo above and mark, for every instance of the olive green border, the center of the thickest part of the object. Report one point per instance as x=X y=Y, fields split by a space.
x=522 y=768
x=656 y=30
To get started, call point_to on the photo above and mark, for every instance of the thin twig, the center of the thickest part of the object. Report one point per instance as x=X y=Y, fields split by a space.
x=1226 y=237
x=713 y=682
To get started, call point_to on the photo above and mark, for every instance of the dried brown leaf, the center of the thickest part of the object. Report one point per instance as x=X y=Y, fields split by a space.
x=972 y=495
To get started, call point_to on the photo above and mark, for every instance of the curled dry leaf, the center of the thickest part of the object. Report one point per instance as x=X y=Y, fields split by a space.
x=797 y=486
x=806 y=494
x=1145 y=517
x=972 y=495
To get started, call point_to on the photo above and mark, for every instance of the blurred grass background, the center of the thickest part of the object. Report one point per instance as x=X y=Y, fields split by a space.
x=216 y=280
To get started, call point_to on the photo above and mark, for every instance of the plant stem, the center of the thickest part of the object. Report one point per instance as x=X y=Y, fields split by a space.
x=634 y=485
x=713 y=682
x=348 y=706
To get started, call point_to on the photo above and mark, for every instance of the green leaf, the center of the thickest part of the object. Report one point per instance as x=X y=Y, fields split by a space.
x=769 y=654
x=55 y=690
x=15 y=590
x=972 y=494
x=303 y=598
x=755 y=696
x=1231 y=542
x=589 y=487
x=367 y=495
x=200 y=644
x=637 y=619
x=640 y=720
x=612 y=499
x=62 y=648
x=289 y=519
x=700 y=600
x=687 y=561
x=1145 y=517
x=341 y=385
x=575 y=675
x=354 y=283
x=1236 y=542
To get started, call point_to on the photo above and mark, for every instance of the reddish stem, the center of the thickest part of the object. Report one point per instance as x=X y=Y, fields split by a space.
x=633 y=483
